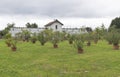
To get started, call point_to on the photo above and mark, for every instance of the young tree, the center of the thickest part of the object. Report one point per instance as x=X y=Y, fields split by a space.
x=88 y=38
x=55 y=39
x=71 y=38
x=44 y=36
x=25 y=35
x=79 y=43
x=33 y=38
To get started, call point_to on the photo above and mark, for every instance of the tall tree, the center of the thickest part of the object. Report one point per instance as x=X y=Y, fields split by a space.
x=34 y=25
x=89 y=29
x=31 y=25
x=7 y=29
x=28 y=25
x=115 y=23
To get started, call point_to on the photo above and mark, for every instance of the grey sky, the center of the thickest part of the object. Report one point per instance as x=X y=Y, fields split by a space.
x=61 y=8
x=87 y=9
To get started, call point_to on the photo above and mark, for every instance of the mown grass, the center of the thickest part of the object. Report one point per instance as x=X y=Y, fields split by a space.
x=34 y=60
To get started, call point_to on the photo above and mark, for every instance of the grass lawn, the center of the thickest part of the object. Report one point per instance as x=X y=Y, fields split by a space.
x=34 y=60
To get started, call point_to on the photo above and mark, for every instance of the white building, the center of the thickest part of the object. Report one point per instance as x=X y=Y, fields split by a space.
x=54 y=25
x=74 y=30
x=16 y=30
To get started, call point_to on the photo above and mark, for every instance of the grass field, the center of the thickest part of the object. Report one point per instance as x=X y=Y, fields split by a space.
x=34 y=60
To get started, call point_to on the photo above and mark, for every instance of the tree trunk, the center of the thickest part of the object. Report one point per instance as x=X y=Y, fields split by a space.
x=55 y=46
x=33 y=42
x=42 y=44
x=116 y=47
x=70 y=42
x=13 y=48
x=80 y=50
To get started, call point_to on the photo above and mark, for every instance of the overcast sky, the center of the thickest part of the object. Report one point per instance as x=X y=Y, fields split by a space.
x=72 y=13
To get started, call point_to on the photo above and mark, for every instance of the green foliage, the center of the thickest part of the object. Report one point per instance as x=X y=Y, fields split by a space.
x=89 y=29
x=96 y=37
x=8 y=42
x=25 y=35
x=116 y=23
x=55 y=37
x=113 y=29
x=7 y=29
x=33 y=38
x=71 y=37
x=13 y=43
x=108 y=37
x=33 y=25
x=43 y=37
x=88 y=37
x=99 y=32
x=63 y=36
x=7 y=36
x=79 y=41
x=78 y=44
x=48 y=34
x=19 y=36
x=80 y=37
x=115 y=38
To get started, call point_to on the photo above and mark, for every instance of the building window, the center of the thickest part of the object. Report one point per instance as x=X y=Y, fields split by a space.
x=56 y=27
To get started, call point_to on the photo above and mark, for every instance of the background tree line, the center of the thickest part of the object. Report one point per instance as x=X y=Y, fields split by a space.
x=115 y=24
x=11 y=25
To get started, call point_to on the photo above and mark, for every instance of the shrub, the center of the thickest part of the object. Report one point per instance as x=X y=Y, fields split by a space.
x=14 y=45
x=55 y=39
x=114 y=38
x=25 y=35
x=8 y=35
x=42 y=37
x=96 y=37
x=108 y=37
x=78 y=43
x=71 y=38
x=33 y=38
x=8 y=42
x=88 y=38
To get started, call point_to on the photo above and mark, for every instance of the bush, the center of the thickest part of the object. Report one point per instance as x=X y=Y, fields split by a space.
x=14 y=45
x=33 y=38
x=8 y=42
x=79 y=43
x=71 y=38
x=108 y=37
x=55 y=38
x=42 y=37
x=7 y=36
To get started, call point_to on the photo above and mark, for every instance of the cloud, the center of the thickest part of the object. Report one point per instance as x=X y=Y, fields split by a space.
x=61 y=8
x=73 y=13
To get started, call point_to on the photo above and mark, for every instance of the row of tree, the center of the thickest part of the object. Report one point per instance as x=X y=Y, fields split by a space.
x=114 y=24
x=100 y=33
